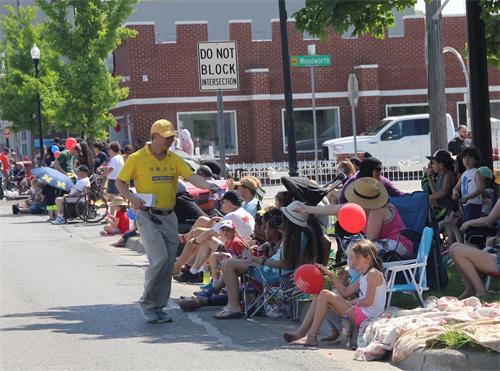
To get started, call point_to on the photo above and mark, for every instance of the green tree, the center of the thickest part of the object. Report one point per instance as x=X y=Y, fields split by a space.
x=84 y=33
x=375 y=16
x=18 y=86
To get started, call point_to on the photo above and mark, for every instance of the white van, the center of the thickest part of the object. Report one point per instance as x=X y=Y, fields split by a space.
x=391 y=140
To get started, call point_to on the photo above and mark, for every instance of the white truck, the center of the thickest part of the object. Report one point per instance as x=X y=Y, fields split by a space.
x=392 y=140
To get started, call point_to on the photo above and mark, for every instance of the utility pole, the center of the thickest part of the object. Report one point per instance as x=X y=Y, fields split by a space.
x=435 y=76
x=479 y=94
x=287 y=89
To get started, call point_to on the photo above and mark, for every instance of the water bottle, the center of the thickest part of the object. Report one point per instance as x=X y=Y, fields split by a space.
x=206 y=274
x=345 y=332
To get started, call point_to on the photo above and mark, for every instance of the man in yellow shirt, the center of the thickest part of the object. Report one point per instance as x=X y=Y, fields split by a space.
x=155 y=170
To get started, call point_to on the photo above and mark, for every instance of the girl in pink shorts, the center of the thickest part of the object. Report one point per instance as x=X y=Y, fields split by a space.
x=370 y=304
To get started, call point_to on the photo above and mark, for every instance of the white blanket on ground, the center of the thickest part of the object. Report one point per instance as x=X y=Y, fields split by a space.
x=404 y=331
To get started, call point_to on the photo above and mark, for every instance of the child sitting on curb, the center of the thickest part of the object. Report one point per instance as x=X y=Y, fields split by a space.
x=118 y=224
x=370 y=304
x=35 y=205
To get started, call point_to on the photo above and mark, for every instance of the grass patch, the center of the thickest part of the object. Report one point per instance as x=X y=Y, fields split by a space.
x=456 y=339
x=455 y=288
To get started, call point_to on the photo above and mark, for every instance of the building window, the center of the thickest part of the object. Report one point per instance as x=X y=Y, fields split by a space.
x=328 y=127
x=462 y=111
x=406 y=109
x=205 y=133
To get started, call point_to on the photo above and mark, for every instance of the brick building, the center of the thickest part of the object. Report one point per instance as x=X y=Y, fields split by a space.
x=163 y=82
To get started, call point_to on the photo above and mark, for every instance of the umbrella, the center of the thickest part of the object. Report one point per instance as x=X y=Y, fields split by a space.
x=53 y=178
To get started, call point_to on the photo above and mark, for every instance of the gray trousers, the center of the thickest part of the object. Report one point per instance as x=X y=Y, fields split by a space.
x=160 y=243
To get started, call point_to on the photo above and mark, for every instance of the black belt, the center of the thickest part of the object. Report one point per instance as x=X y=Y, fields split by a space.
x=161 y=212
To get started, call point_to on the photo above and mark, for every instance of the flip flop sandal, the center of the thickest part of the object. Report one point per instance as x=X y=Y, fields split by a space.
x=225 y=313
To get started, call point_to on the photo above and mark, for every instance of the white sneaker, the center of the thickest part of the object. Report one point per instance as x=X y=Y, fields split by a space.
x=58 y=220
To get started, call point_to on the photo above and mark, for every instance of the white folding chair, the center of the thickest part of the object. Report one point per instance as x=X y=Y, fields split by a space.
x=413 y=270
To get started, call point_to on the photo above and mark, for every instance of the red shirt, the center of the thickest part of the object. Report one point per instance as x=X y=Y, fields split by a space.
x=123 y=222
x=235 y=247
x=5 y=163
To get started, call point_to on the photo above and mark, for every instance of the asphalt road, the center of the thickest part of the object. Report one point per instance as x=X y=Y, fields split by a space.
x=69 y=302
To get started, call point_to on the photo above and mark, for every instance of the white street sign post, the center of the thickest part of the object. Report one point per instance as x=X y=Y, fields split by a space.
x=353 y=95
x=311 y=50
x=218 y=71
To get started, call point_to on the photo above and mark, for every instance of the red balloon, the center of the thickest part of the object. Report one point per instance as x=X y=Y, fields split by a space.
x=352 y=218
x=308 y=279
x=56 y=154
x=71 y=143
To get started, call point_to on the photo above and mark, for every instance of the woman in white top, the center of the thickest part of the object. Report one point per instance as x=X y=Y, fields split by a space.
x=370 y=304
x=113 y=168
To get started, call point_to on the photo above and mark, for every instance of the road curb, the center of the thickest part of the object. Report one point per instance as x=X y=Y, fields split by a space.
x=450 y=360
x=135 y=243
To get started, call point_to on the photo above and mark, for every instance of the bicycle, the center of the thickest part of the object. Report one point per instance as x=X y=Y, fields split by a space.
x=92 y=206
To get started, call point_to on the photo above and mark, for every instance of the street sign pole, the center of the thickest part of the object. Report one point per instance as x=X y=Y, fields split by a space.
x=311 y=50
x=222 y=133
x=315 y=128
x=353 y=95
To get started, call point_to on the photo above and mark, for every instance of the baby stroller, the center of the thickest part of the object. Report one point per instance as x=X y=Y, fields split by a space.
x=309 y=192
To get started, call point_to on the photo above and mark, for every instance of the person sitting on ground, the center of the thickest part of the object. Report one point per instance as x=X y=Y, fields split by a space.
x=100 y=157
x=470 y=261
x=132 y=232
x=383 y=223
x=441 y=180
x=371 y=167
x=36 y=204
x=65 y=161
x=248 y=187
x=119 y=223
x=76 y=191
x=202 y=239
x=232 y=247
x=470 y=186
x=297 y=247
x=370 y=304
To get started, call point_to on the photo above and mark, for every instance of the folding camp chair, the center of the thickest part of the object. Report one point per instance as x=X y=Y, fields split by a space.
x=490 y=275
x=413 y=270
x=267 y=292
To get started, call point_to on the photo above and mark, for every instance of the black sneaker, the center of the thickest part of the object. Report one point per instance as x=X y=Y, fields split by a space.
x=189 y=277
x=15 y=209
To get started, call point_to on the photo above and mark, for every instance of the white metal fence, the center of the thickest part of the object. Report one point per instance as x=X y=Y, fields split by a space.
x=405 y=174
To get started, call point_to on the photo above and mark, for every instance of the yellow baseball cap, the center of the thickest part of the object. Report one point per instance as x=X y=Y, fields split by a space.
x=163 y=127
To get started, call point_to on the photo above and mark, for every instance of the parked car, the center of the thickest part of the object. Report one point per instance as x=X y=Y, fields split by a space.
x=393 y=138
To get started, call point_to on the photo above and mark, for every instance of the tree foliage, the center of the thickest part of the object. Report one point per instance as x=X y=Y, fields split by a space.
x=84 y=33
x=18 y=86
x=375 y=16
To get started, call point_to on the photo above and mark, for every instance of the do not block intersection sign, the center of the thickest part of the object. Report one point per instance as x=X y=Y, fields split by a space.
x=218 y=66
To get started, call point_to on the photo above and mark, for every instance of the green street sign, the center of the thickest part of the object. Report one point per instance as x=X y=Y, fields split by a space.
x=311 y=60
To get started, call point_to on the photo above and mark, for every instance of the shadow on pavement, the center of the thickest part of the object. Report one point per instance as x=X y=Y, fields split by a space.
x=121 y=321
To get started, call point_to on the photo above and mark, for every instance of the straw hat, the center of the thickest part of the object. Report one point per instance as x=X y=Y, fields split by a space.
x=367 y=192
x=295 y=217
x=119 y=201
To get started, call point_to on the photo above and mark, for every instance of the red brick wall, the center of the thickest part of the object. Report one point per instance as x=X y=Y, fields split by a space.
x=172 y=72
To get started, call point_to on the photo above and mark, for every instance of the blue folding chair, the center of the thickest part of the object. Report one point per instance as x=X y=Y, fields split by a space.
x=413 y=270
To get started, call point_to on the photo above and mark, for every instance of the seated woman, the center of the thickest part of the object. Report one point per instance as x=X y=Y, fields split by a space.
x=470 y=261
x=383 y=220
x=298 y=247
x=370 y=304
